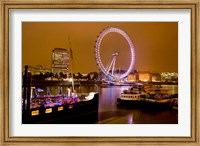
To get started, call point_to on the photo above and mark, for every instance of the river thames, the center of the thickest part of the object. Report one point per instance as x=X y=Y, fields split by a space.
x=112 y=113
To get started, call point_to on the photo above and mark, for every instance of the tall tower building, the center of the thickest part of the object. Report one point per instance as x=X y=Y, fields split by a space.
x=60 y=60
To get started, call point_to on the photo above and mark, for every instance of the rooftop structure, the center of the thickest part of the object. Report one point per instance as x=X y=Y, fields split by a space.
x=38 y=69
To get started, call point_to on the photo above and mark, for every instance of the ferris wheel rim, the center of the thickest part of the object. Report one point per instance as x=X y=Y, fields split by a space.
x=97 y=50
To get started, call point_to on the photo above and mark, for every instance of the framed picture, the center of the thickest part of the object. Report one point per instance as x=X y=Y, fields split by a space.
x=62 y=48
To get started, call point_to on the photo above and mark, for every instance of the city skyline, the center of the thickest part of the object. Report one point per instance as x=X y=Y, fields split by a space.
x=156 y=44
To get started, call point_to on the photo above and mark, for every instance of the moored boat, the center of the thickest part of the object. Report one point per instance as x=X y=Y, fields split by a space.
x=158 y=98
x=146 y=97
x=61 y=109
x=133 y=95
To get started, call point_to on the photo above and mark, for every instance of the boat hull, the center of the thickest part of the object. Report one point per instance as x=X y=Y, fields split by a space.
x=152 y=103
x=148 y=104
x=76 y=113
x=135 y=103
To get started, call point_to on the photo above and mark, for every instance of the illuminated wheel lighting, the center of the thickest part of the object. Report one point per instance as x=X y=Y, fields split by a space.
x=97 y=52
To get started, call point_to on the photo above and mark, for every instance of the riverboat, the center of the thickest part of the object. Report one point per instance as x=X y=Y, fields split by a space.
x=158 y=97
x=147 y=96
x=61 y=109
x=133 y=95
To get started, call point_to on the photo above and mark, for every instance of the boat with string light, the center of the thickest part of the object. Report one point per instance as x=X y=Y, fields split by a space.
x=133 y=95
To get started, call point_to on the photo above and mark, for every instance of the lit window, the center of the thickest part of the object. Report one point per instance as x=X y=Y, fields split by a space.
x=60 y=108
x=48 y=110
x=34 y=113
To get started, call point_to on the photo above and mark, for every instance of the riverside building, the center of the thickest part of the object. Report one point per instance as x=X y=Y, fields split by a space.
x=60 y=60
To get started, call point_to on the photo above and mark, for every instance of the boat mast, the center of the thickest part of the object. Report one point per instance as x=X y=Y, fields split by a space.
x=71 y=59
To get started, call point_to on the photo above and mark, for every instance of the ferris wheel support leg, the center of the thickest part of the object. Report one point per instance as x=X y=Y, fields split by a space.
x=110 y=66
x=113 y=67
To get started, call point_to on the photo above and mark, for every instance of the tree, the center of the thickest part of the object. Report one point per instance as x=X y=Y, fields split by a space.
x=56 y=75
x=80 y=76
x=47 y=75
x=51 y=75
x=95 y=77
x=61 y=74
x=88 y=77
x=64 y=76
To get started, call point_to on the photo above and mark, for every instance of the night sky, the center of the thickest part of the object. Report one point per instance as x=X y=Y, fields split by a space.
x=156 y=44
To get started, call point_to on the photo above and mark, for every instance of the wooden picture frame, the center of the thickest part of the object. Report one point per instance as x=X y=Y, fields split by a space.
x=7 y=5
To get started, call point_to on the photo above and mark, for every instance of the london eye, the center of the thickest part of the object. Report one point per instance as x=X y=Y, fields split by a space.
x=109 y=68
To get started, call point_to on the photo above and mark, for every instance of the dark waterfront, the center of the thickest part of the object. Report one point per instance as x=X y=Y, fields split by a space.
x=112 y=113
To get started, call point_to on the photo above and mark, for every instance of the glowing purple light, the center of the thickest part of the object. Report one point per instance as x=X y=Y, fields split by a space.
x=98 y=58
